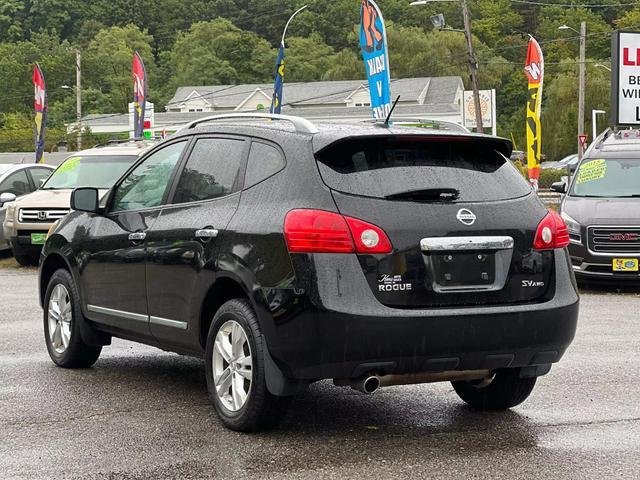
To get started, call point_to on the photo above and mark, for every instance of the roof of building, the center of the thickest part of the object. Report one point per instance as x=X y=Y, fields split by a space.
x=433 y=90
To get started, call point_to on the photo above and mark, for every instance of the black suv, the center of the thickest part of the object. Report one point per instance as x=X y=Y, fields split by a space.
x=285 y=252
x=601 y=209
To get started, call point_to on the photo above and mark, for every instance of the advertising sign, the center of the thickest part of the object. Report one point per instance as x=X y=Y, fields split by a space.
x=487 y=104
x=40 y=106
x=373 y=43
x=625 y=72
x=534 y=70
x=139 y=95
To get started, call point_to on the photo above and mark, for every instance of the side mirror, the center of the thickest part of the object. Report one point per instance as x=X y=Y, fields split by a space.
x=85 y=200
x=559 y=187
x=6 y=198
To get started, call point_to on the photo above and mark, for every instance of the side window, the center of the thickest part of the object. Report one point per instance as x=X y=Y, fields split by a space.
x=146 y=185
x=39 y=175
x=16 y=183
x=264 y=161
x=211 y=171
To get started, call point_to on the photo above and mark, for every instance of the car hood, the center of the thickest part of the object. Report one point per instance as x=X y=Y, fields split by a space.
x=48 y=199
x=603 y=211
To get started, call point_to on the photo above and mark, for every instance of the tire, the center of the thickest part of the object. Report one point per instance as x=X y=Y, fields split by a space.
x=259 y=409
x=505 y=390
x=72 y=352
x=23 y=258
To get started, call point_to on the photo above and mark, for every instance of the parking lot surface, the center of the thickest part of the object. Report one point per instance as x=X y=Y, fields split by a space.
x=142 y=413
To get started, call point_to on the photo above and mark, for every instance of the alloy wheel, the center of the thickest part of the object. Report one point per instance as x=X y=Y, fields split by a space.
x=59 y=317
x=232 y=366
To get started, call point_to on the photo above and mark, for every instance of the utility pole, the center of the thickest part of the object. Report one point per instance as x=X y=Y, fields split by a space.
x=473 y=64
x=581 y=92
x=79 y=97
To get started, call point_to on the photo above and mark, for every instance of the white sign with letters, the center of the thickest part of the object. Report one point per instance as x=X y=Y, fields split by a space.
x=626 y=64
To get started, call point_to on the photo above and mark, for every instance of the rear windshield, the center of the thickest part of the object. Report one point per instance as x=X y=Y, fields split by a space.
x=97 y=171
x=454 y=170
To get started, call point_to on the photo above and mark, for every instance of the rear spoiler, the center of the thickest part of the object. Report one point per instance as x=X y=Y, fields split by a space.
x=501 y=145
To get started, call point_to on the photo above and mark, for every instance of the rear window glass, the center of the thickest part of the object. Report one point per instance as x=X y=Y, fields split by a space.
x=464 y=170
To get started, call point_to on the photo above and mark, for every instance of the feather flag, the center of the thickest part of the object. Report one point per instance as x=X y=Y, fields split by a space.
x=373 y=43
x=276 y=101
x=278 y=84
x=139 y=95
x=534 y=69
x=41 y=108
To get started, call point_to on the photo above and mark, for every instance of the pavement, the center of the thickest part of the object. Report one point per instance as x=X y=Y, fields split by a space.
x=141 y=413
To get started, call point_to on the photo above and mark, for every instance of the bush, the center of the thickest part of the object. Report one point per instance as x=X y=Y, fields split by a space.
x=547 y=177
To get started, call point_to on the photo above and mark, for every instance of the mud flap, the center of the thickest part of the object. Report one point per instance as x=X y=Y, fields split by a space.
x=277 y=383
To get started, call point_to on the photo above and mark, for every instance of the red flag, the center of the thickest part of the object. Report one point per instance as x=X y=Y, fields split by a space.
x=534 y=69
x=40 y=106
x=139 y=95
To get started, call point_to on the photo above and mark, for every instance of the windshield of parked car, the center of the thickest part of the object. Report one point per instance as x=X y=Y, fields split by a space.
x=610 y=177
x=97 y=171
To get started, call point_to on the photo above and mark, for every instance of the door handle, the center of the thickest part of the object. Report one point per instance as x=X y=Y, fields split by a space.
x=137 y=236
x=206 y=233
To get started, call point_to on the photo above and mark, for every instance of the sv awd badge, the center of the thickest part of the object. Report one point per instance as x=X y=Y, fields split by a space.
x=392 y=283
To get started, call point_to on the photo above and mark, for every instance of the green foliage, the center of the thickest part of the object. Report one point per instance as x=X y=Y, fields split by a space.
x=234 y=41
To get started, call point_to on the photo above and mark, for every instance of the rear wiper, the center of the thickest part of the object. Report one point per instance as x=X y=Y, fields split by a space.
x=427 y=195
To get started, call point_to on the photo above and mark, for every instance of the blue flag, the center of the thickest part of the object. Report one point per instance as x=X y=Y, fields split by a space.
x=276 y=101
x=373 y=43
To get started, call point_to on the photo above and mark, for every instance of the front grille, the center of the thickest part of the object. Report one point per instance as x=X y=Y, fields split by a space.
x=617 y=240
x=41 y=215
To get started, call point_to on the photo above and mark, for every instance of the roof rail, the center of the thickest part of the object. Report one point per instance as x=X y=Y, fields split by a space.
x=302 y=125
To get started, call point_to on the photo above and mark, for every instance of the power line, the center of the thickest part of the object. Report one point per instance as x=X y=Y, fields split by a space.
x=573 y=5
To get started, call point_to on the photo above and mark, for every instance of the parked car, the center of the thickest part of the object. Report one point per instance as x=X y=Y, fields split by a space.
x=602 y=210
x=284 y=252
x=16 y=181
x=29 y=218
x=569 y=162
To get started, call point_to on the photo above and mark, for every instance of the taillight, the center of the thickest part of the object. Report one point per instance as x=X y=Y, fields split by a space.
x=551 y=233
x=318 y=231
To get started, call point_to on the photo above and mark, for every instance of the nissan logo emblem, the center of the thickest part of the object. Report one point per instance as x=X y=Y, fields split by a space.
x=466 y=216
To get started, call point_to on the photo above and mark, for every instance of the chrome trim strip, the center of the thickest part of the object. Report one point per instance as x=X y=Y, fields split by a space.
x=118 y=313
x=440 y=244
x=165 y=322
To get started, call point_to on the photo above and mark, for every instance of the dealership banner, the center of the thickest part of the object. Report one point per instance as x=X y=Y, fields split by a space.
x=139 y=95
x=625 y=78
x=41 y=107
x=373 y=43
x=278 y=84
x=276 y=101
x=534 y=69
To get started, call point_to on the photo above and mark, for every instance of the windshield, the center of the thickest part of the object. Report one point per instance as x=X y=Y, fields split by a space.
x=400 y=168
x=611 y=177
x=91 y=171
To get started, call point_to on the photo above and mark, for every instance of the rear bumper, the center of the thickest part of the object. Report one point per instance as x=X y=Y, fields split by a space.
x=352 y=334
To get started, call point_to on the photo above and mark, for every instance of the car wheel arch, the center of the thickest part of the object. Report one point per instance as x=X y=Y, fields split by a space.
x=53 y=262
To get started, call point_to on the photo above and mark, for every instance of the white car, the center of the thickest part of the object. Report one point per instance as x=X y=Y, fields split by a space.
x=17 y=181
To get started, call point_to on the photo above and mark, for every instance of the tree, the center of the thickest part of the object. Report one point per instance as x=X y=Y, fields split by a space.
x=107 y=63
x=217 y=52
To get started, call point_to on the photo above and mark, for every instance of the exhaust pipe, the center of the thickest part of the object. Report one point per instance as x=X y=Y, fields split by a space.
x=367 y=384
x=372 y=382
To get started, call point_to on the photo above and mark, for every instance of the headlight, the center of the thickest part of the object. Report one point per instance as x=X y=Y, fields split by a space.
x=572 y=225
x=53 y=228
x=11 y=211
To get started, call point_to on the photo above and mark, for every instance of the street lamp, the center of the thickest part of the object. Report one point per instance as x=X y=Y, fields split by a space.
x=581 y=90
x=473 y=64
x=599 y=65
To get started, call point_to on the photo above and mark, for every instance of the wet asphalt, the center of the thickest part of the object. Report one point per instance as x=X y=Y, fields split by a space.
x=141 y=413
